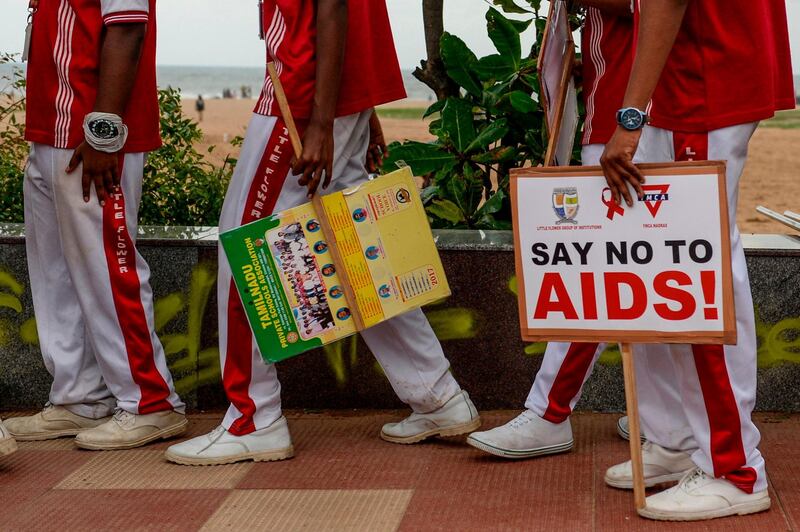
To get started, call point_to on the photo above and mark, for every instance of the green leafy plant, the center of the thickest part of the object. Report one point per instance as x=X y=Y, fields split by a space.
x=494 y=125
x=13 y=148
x=180 y=186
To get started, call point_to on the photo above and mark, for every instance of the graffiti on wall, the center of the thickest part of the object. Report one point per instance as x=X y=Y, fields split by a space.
x=193 y=353
x=190 y=361
x=191 y=349
x=448 y=324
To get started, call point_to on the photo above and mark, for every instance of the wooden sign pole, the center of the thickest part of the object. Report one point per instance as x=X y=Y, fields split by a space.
x=632 y=403
x=316 y=200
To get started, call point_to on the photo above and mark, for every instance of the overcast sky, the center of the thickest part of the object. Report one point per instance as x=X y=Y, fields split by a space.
x=200 y=32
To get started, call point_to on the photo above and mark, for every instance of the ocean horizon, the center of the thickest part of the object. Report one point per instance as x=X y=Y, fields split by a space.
x=213 y=81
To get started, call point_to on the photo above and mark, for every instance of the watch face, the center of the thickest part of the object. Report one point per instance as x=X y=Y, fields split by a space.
x=631 y=119
x=103 y=129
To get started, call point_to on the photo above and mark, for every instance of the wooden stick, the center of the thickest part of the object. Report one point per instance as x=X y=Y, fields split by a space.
x=632 y=402
x=286 y=111
x=316 y=200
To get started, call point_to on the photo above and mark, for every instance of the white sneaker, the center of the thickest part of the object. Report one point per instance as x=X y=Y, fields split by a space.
x=660 y=465
x=221 y=447
x=7 y=442
x=126 y=430
x=457 y=416
x=699 y=496
x=51 y=423
x=624 y=431
x=525 y=436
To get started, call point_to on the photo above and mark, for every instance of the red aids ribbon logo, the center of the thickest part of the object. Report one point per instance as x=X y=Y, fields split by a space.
x=613 y=207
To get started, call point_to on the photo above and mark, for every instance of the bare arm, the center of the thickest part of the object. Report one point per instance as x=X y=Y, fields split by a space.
x=317 y=158
x=659 y=24
x=119 y=64
x=612 y=7
x=377 y=151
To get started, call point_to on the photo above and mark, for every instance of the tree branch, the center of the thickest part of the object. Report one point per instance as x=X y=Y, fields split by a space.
x=432 y=71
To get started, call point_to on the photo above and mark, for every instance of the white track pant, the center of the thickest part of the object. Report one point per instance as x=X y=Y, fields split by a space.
x=91 y=291
x=405 y=346
x=710 y=389
x=693 y=398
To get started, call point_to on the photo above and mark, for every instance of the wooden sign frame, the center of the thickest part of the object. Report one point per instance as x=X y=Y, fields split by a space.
x=727 y=336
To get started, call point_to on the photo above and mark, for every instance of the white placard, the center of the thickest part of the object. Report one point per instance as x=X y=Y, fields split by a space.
x=590 y=269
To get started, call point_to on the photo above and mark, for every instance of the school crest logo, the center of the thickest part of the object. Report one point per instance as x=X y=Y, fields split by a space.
x=566 y=205
x=403 y=196
x=654 y=196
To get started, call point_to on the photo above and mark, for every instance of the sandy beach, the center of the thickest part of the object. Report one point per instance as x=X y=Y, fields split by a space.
x=223 y=120
x=770 y=178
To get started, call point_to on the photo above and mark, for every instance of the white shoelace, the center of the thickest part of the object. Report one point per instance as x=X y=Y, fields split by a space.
x=216 y=433
x=693 y=478
x=123 y=418
x=522 y=419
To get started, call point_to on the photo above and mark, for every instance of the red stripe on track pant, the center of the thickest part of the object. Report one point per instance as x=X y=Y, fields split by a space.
x=702 y=402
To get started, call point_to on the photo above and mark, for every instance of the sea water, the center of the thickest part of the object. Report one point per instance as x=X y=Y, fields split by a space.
x=214 y=82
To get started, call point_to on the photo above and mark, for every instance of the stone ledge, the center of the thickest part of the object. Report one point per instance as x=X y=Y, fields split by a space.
x=478 y=327
x=446 y=239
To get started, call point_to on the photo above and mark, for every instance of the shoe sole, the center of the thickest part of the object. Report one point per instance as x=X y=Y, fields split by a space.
x=7 y=446
x=163 y=434
x=444 y=432
x=267 y=456
x=625 y=435
x=44 y=436
x=527 y=453
x=738 y=509
x=648 y=482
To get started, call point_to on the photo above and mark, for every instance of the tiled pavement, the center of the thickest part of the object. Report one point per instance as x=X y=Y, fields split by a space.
x=345 y=478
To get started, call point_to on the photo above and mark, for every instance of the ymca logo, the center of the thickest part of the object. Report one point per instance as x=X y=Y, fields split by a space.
x=653 y=196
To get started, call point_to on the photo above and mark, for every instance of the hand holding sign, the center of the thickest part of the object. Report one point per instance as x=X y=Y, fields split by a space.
x=618 y=167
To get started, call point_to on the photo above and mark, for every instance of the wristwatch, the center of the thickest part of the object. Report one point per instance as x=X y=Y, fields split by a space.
x=631 y=118
x=105 y=132
x=103 y=129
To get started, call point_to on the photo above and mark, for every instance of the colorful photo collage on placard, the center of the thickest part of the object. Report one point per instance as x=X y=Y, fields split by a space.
x=309 y=277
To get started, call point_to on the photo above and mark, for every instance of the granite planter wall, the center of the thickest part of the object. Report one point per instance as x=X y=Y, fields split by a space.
x=478 y=326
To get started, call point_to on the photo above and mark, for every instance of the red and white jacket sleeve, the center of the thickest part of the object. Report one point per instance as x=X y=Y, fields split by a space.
x=125 y=11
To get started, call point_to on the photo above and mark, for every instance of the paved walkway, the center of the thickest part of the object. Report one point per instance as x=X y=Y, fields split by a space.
x=345 y=478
